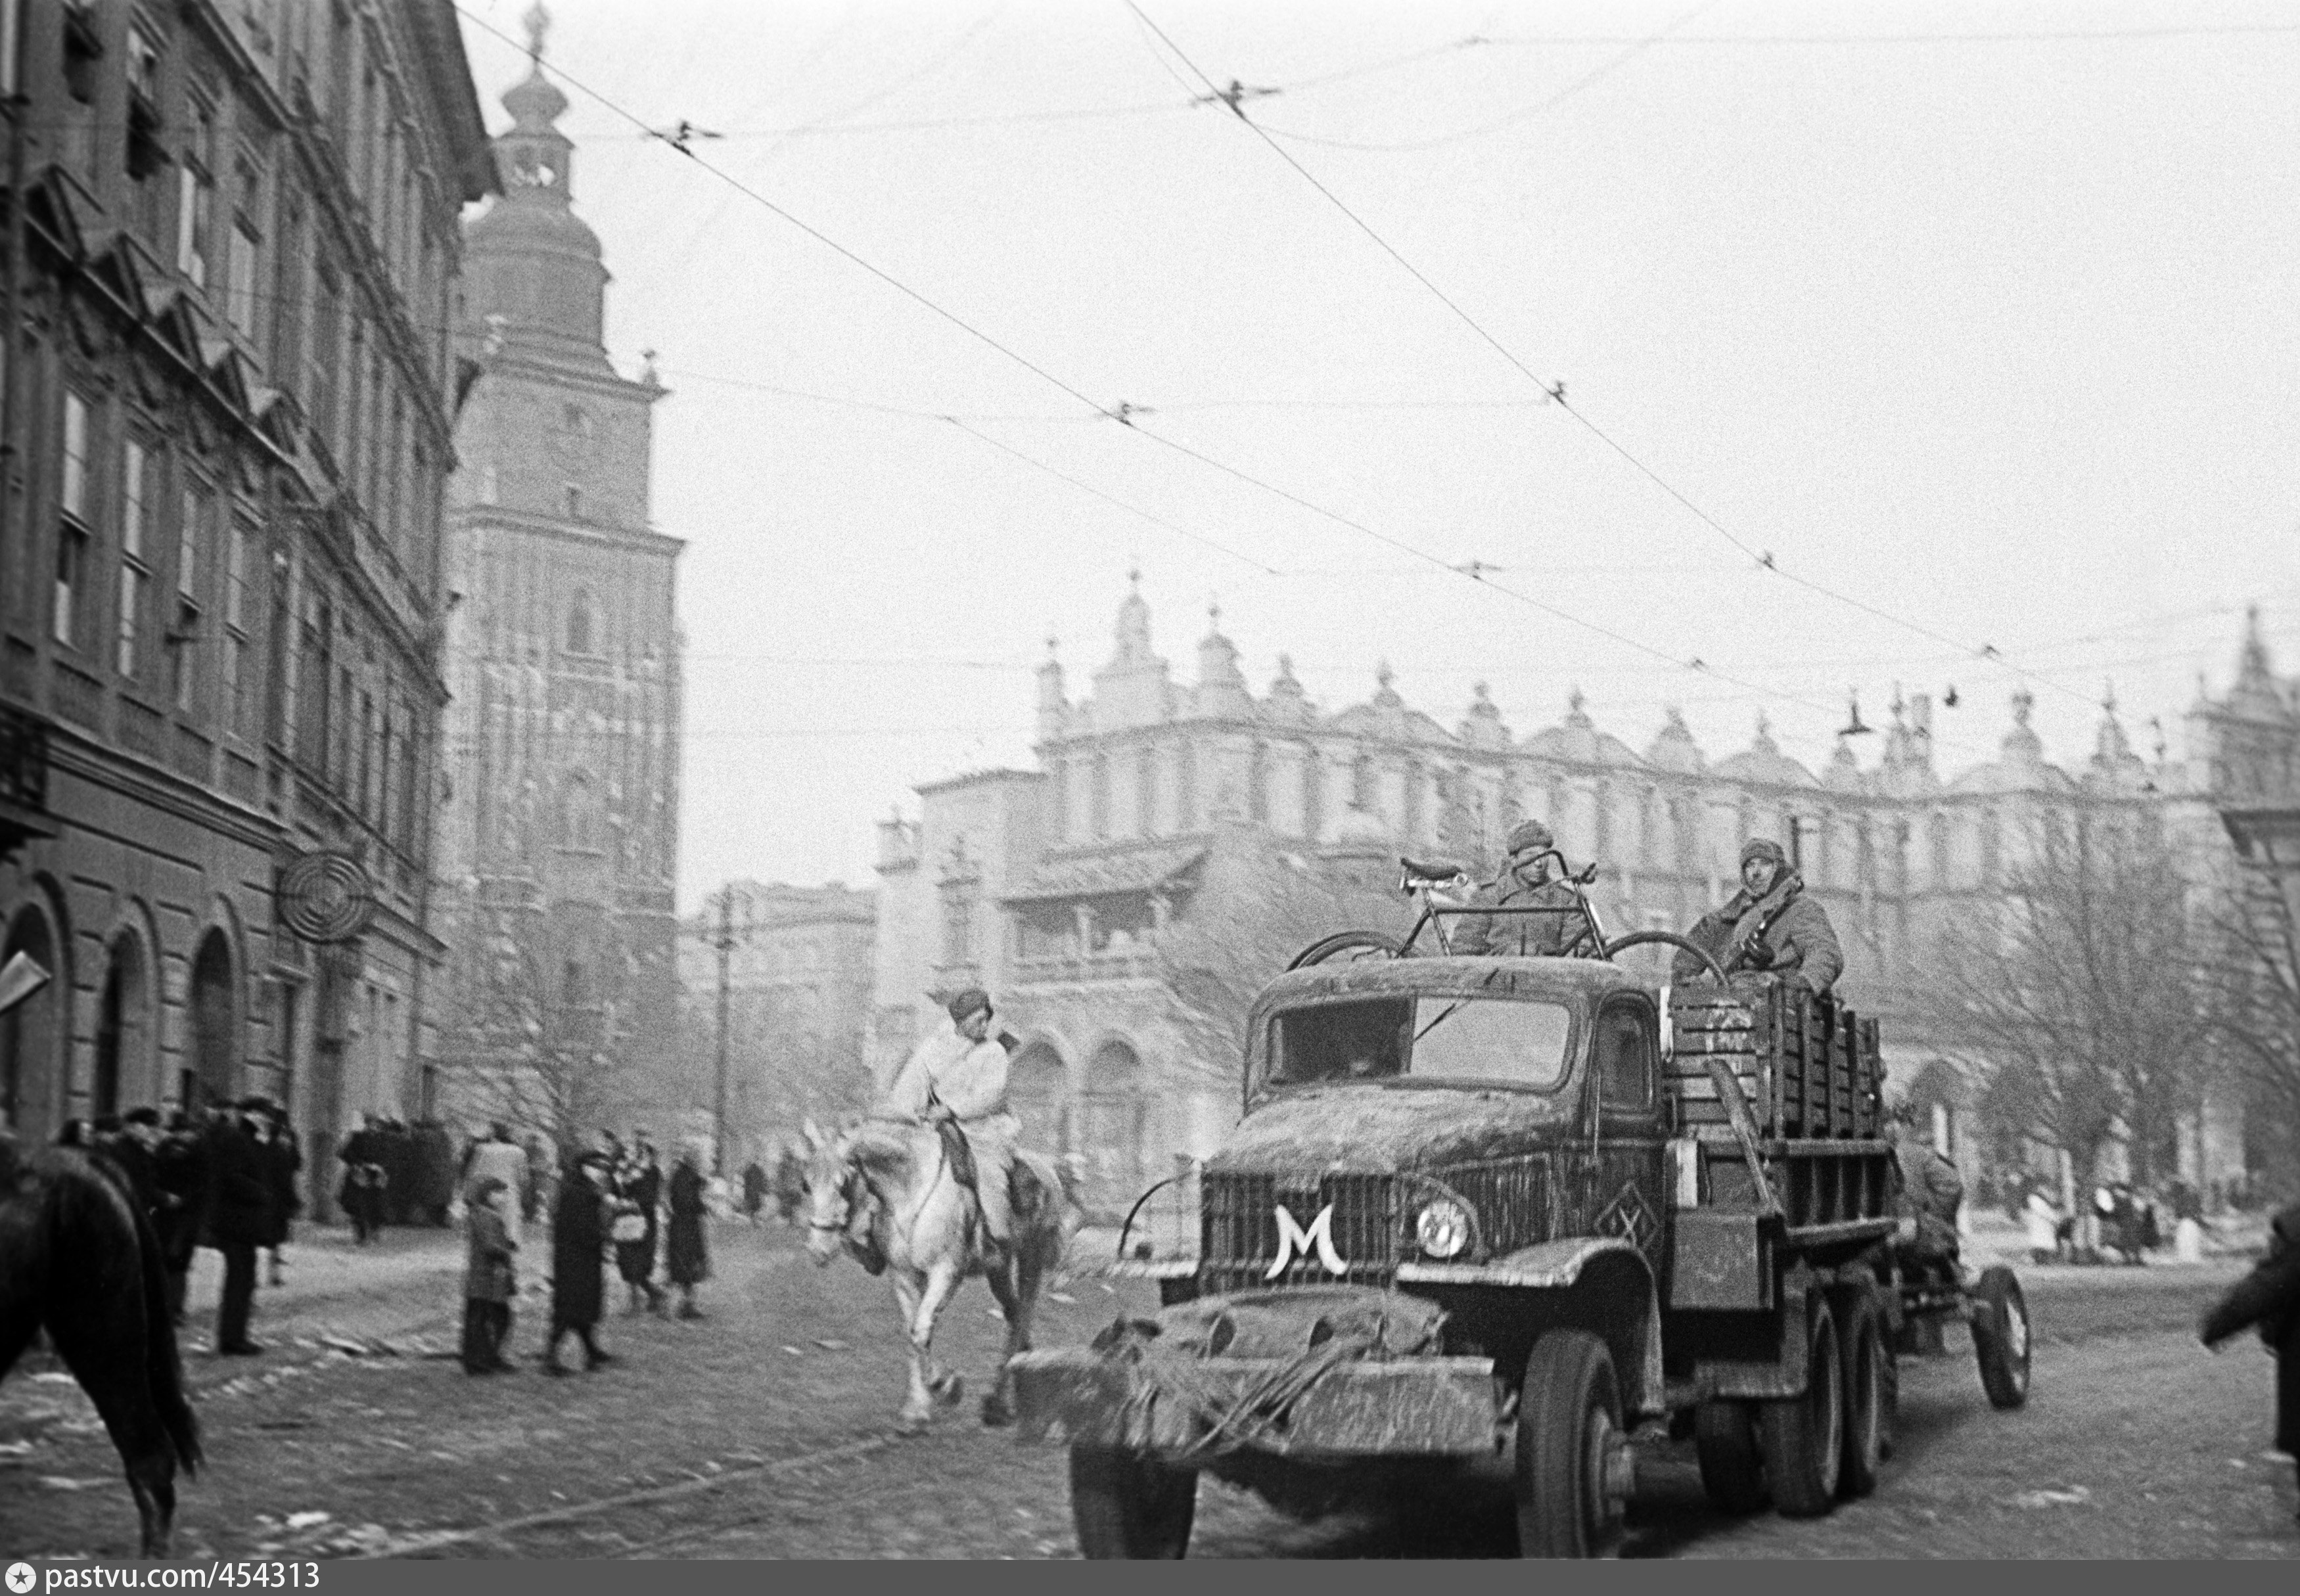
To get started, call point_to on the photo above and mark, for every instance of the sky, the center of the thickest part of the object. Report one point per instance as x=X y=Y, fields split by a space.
x=1924 y=345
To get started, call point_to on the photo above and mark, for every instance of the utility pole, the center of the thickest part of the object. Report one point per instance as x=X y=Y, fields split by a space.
x=724 y=937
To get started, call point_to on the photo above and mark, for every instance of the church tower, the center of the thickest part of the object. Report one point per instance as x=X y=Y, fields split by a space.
x=558 y=857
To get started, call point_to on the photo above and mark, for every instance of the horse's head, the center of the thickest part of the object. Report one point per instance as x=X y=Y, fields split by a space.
x=835 y=1191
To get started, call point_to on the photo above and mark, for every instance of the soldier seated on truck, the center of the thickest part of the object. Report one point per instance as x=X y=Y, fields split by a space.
x=1929 y=1192
x=1523 y=883
x=1769 y=925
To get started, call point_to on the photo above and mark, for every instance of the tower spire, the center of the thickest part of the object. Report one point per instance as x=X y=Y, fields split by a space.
x=537 y=23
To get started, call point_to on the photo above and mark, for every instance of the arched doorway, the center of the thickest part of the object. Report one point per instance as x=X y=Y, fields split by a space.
x=31 y=1034
x=215 y=1020
x=1113 y=1128
x=124 y=1032
x=1037 y=1088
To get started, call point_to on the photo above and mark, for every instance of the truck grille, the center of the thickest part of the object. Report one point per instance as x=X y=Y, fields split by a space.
x=1512 y=1197
x=1241 y=1230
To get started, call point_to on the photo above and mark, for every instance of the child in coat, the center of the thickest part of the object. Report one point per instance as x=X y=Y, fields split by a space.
x=488 y=1281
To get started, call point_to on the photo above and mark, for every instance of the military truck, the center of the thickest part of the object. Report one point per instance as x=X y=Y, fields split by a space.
x=1487 y=1213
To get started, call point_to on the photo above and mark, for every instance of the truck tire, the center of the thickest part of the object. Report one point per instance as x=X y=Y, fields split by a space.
x=1732 y=1464
x=1569 y=1427
x=1867 y=1388
x=1124 y=1505
x=2001 y=1337
x=1804 y=1436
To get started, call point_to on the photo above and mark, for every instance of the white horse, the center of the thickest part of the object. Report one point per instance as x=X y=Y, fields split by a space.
x=887 y=1192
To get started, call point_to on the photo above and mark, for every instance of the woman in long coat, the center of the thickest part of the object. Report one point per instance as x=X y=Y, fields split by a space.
x=641 y=1190
x=686 y=1254
x=578 y=1287
x=2270 y=1298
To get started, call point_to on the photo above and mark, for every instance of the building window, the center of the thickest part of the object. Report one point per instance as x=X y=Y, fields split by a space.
x=574 y=503
x=578 y=623
x=1186 y=788
x=314 y=674
x=183 y=638
x=579 y=812
x=1145 y=793
x=234 y=632
x=364 y=791
x=72 y=532
x=135 y=573
x=958 y=925
x=319 y=354
x=278 y=702
x=196 y=199
x=1099 y=801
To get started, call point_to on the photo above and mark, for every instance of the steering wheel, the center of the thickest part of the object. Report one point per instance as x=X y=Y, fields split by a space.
x=1637 y=939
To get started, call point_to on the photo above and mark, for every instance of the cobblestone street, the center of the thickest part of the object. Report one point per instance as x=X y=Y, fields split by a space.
x=764 y=1431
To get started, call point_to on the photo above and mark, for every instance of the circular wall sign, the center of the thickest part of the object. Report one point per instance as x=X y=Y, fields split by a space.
x=326 y=897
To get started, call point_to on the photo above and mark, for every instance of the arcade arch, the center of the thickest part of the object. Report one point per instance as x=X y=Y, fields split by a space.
x=124 y=1028
x=214 y=1050
x=32 y=1053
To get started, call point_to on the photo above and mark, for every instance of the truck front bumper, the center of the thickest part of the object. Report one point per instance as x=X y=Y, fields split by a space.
x=1432 y=1407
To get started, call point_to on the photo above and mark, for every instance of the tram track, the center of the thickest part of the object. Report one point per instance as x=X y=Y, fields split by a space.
x=503 y=1531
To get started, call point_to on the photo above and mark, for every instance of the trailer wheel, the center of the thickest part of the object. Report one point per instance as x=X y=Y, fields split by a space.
x=1733 y=1464
x=1571 y=1452
x=1124 y=1505
x=2001 y=1337
x=1805 y=1436
x=1866 y=1390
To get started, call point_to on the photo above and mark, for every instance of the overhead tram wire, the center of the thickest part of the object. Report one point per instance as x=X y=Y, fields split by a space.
x=1556 y=391
x=815 y=233
x=1695 y=664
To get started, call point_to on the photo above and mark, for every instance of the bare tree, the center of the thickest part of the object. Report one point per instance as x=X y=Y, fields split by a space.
x=1257 y=907
x=2071 y=992
x=2252 y=1003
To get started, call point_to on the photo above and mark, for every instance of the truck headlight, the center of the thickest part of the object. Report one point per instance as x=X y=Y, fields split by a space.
x=1441 y=1228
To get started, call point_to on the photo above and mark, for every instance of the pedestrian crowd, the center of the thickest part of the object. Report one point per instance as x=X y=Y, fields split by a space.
x=395 y=1173
x=222 y=1177
x=610 y=1200
x=2120 y=1225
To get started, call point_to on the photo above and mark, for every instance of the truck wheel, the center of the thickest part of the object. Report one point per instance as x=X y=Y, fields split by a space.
x=1570 y=1448
x=1124 y=1505
x=1805 y=1436
x=2001 y=1337
x=1866 y=1389
x=1732 y=1466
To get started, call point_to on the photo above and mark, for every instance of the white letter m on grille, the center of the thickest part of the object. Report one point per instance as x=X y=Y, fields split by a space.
x=1293 y=1242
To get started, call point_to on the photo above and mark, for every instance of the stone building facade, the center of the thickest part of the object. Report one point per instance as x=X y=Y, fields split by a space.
x=559 y=841
x=228 y=424
x=798 y=1004
x=1156 y=804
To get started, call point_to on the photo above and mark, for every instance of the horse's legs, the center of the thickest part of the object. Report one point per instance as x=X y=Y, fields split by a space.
x=108 y=1359
x=918 y=1403
x=1012 y=1282
x=942 y=1283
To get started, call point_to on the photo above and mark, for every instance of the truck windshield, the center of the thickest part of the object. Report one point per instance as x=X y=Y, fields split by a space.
x=1482 y=1041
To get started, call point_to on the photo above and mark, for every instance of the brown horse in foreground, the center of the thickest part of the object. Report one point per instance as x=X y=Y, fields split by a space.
x=888 y=1192
x=79 y=1260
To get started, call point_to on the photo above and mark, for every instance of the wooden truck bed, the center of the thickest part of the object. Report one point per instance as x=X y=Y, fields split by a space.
x=1810 y=1072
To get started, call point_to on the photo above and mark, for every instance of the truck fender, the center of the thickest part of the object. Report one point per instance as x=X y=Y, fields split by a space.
x=1609 y=1263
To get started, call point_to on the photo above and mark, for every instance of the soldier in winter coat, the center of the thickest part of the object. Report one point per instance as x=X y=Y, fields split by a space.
x=1523 y=883
x=961 y=1074
x=2270 y=1298
x=1769 y=925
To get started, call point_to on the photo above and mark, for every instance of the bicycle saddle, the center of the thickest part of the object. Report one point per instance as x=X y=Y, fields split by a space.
x=1422 y=870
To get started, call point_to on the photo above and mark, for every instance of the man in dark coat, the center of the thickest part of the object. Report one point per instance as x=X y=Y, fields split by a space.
x=130 y=1147
x=1769 y=925
x=579 y=1237
x=363 y=1188
x=2270 y=1298
x=1522 y=883
x=179 y=1166
x=239 y=1221
x=282 y=1162
x=755 y=1190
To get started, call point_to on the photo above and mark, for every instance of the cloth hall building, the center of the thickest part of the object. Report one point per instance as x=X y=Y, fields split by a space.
x=1159 y=805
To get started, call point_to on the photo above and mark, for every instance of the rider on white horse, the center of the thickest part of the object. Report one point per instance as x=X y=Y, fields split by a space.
x=962 y=1073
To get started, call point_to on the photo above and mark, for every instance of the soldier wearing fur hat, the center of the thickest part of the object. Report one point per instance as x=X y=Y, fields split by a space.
x=1523 y=883
x=961 y=1074
x=1769 y=925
